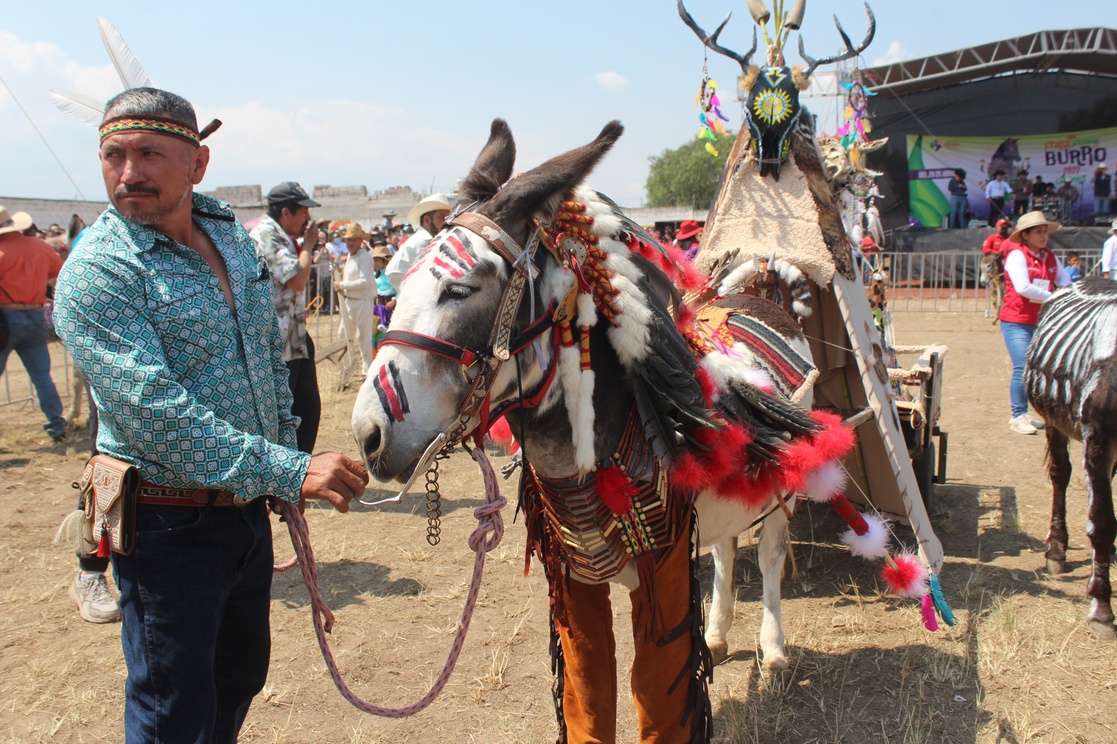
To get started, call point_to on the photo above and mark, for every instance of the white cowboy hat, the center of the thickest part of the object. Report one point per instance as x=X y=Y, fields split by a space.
x=432 y=203
x=1030 y=220
x=1113 y=227
x=17 y=222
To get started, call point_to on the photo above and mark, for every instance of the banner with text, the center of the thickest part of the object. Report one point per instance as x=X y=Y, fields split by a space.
x=1068 y=161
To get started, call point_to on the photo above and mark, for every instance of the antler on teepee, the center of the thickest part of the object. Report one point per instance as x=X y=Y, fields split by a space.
x=711 y=40
x=850 y=50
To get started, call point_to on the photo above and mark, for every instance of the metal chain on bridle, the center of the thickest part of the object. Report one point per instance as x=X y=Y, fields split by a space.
x=490 y=528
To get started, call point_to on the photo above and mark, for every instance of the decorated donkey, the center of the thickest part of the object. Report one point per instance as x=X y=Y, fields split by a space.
x=1071 y=379
x=643 y=422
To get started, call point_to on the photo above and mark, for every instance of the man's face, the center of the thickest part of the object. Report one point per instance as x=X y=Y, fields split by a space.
x=149 y=177
x=437 y=220
x=1000 y=176
x=353 y=244
x=294 y=220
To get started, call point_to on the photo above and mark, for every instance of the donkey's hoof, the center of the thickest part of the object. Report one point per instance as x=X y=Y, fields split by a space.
x=1056 y=566
x=1103 y=631
x=719 y=651
x=776 y=663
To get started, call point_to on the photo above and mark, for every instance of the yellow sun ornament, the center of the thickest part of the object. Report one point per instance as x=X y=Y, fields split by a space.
x=772 y=106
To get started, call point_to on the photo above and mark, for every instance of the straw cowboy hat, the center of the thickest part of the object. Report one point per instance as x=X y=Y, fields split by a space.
x=432 y=203
x=688 y=229
x=17 y=222
x=354 y=230
x=381 y=251
x=1030 y=220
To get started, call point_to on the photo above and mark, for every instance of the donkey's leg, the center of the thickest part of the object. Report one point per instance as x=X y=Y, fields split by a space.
x=589 y=701
x=1101 y=527
x=669 y=674
x=1058 y=470
x=723 y=597
x=771 y=554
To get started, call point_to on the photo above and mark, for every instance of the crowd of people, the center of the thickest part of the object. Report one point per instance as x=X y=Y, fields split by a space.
x=1005 y=199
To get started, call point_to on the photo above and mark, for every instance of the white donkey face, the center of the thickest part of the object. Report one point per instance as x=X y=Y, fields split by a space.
x=411 y=395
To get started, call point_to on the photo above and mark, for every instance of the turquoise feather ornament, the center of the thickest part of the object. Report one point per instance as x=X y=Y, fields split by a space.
x=945 y=612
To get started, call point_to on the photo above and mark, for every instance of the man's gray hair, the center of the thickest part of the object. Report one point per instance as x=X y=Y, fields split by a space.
x=152 y=102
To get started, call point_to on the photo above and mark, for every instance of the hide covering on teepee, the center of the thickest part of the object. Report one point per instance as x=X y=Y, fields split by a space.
x=798 y=220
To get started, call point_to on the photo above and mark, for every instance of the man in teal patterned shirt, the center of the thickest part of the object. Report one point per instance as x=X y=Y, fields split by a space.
x=168 y=313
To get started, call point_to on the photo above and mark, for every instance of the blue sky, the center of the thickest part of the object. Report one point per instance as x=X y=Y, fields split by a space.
x=387 y=94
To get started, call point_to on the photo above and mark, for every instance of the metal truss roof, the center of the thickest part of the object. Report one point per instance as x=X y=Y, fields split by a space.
x=1082 y=50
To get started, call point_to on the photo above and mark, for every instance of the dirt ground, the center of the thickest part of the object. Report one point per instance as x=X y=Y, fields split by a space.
x=1020 y=665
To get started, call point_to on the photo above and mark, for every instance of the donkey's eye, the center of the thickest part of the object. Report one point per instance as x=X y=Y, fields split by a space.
x=458 y=291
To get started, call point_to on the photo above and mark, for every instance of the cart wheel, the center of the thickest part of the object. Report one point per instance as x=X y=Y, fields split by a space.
x=924 y=469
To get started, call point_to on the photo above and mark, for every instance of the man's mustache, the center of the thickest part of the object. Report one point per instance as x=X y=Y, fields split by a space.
x=127 y=189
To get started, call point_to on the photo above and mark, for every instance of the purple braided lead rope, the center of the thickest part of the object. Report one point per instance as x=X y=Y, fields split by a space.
x=487 y=536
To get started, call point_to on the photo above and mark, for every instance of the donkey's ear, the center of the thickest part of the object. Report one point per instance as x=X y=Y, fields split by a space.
x=541 y=190
x=493 y=166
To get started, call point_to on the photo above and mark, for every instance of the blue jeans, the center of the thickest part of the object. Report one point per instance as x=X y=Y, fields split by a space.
x=1017 y=336
x=195 y=598
x=958 y=211
x=27 y=337
x=1101 y=204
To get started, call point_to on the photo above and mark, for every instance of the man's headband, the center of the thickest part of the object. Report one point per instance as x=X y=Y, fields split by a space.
x=159 y=125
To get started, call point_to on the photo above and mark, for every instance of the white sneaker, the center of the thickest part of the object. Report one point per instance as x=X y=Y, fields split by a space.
x=1038 y=423
x=1022 y=425
x=91 y=594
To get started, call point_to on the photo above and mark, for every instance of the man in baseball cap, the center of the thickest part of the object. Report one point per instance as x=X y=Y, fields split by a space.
x=285 y=240
x=290 y=194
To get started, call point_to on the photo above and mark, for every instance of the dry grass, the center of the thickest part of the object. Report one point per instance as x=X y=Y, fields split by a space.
x=1019 y=667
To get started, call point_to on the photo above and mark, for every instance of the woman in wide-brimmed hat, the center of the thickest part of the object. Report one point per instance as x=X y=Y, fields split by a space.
x=1032 y=273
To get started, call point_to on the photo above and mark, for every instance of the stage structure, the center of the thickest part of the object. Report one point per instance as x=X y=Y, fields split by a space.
x=1047 y=83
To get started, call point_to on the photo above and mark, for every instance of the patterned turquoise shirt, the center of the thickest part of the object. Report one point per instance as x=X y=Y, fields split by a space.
x=192 y=396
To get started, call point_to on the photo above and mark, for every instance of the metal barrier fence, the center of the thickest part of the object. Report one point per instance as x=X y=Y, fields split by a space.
x=917 y=282
x=945 y=282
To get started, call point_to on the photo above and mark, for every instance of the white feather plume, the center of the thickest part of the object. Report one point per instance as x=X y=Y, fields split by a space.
x=127 y=66
x=86 y=109
x=826 y=482
x=874 y=544
x=584 y=454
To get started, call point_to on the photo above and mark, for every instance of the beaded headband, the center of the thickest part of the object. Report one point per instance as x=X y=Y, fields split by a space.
x=157 y=124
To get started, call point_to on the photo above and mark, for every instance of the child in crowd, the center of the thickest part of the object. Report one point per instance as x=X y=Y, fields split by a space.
x=1074 y=266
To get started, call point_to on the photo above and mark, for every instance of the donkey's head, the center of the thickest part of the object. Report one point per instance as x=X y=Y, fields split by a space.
x=458 y=313
x=772 y=106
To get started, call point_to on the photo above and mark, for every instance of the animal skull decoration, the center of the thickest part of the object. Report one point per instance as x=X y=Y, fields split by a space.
x=772 y=108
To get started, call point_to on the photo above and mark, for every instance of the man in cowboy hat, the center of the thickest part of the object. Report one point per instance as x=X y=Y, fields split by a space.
x=429 y=214
x=1109 y=254
x=27 y=265
x=357 y=288
x=1103 y=187
x=164 y=307
x=277 y=242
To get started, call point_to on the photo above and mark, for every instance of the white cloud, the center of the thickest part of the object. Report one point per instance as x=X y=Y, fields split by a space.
x=611 y=80
x=895 y=53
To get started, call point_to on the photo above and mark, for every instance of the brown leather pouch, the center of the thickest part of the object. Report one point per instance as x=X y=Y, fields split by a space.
x=108 y=488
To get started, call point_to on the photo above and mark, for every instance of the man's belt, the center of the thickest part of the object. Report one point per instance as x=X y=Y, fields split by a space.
x=160 y=496
x=19 y=306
